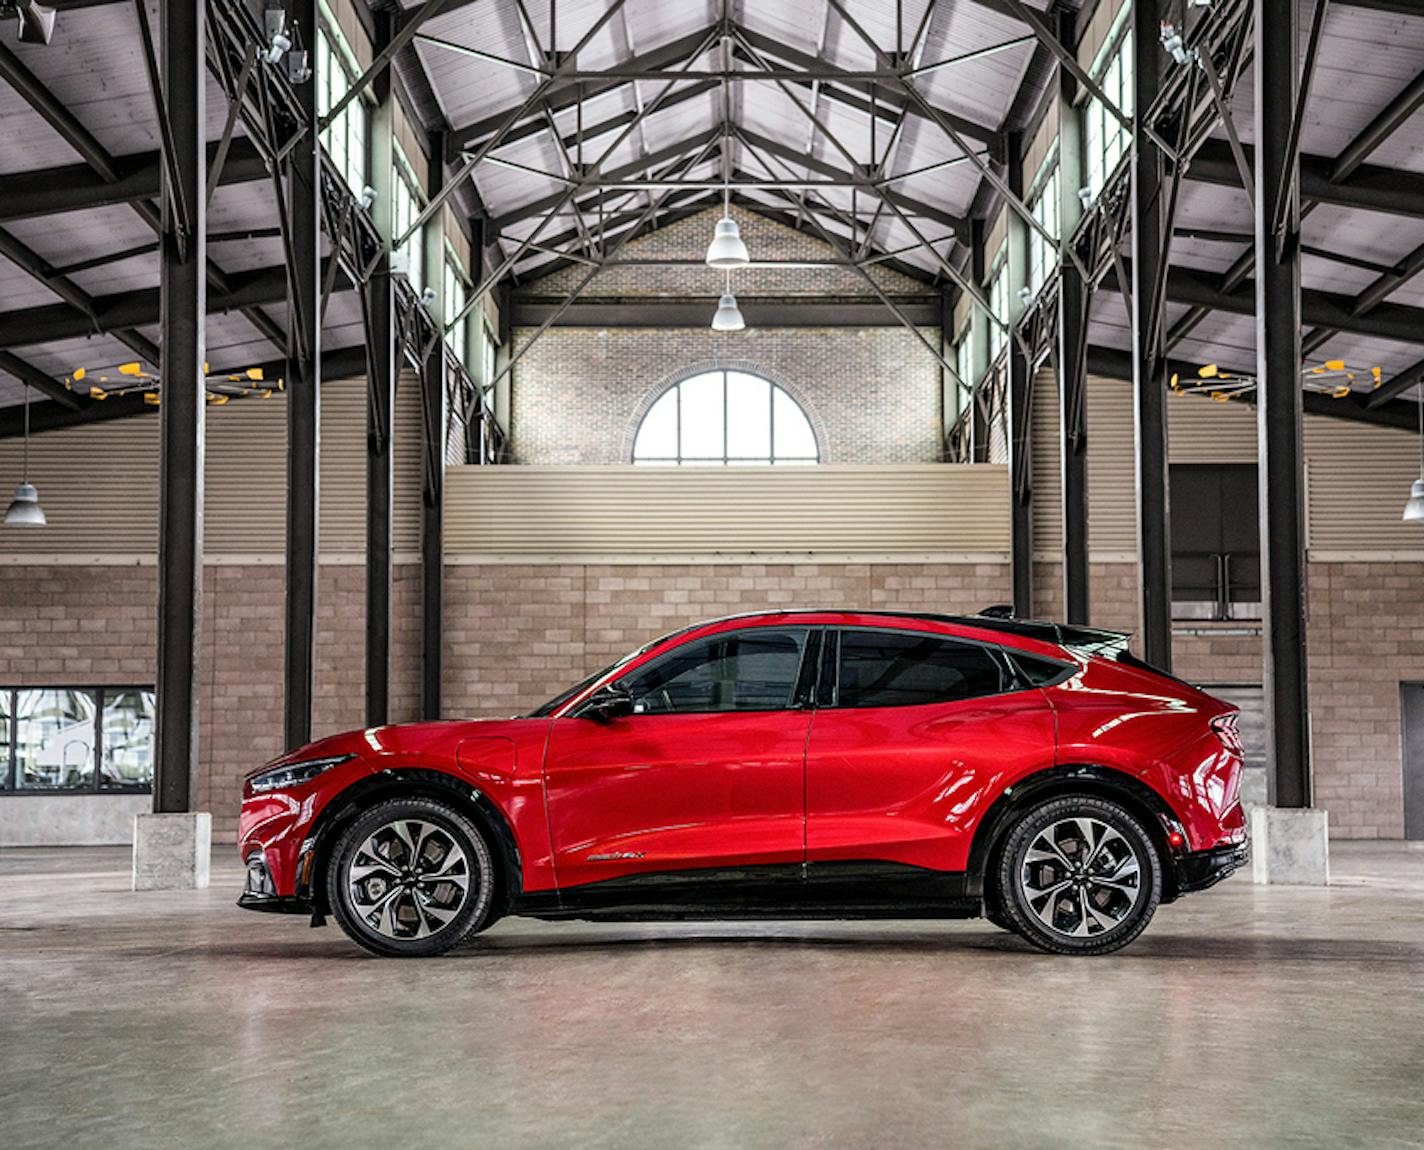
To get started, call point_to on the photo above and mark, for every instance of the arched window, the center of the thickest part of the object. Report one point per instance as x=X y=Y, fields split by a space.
x=725 y=417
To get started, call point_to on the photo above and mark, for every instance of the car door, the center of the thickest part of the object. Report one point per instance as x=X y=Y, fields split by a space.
x=708 y=772
x=911 y=730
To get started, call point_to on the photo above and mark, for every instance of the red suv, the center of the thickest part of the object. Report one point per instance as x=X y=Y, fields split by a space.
x=826 y=764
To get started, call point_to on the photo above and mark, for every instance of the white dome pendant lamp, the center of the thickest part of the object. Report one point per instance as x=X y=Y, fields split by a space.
x=728 y=316
x=25 y=510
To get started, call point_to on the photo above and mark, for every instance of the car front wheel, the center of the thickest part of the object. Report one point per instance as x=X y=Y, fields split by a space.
x=411 y=878
x=1079 y=875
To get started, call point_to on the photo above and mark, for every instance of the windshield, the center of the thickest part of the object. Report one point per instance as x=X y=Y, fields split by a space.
x=583 y=684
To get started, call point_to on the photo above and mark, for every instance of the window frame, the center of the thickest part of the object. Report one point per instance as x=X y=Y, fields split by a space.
x=10 y=767
x=406 y=185
x=455 y=278
x=827 y=696
x=810 y=649
x=726 y=459
x=1101 y=131
x=998 y=285
x=1044 y=203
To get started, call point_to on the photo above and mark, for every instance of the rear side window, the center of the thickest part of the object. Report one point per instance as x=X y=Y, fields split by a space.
x=895 y=669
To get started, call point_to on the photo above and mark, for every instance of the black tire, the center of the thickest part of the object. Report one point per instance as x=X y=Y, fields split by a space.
x=406 y=915
x=1075 y=905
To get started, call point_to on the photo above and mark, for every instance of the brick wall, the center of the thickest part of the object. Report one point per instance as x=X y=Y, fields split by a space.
x=578 y=395
x=70 y=625
x=517 y=635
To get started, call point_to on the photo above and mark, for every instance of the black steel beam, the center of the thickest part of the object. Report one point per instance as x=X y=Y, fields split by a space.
x=52 y=415
x=432 y=538
x=29 y=374
x=78 y=187
x=1379 y=130
x=1393 y=191
x=1117 y=364
x=1397 y=385
x=303 y=401
x=760 y=312
x=181 y=419
x=56 y=115
x=1279 y=415
x=1154 y=533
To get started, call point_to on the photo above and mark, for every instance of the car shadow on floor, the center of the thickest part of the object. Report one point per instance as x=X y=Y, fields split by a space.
x=1163 y=948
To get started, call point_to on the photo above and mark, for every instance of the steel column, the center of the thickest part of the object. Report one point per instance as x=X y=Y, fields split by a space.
x=1072 y=346
x=303 y=401
x=181 y=420
x=380 y=323
x=1019 y=414
x=432 y=538
x=1154 y=535
x=979 y=344
x=1279 y=414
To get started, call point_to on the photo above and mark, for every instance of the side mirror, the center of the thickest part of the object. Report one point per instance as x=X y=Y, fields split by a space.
x=606 y=704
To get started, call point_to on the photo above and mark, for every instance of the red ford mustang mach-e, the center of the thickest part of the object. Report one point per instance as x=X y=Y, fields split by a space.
x=812 y=764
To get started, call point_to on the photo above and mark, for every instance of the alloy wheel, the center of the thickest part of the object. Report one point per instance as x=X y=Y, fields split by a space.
x=1080 y=877
x=409 y=879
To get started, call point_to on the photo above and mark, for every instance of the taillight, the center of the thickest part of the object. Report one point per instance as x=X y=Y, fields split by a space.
x=1224 y=726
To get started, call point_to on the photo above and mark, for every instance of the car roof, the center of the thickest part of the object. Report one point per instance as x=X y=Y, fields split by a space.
x=1088 y=640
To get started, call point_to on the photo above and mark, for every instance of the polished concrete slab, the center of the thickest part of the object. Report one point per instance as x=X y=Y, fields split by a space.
x=1246 y=1016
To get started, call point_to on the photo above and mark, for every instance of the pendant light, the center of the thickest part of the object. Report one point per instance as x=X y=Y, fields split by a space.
x=1414 y=508
x=726 y=249
x=728 y=316
x=25 y=509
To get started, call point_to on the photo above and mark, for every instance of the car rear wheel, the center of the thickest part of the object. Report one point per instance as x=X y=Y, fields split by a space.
x=411 y=878
x=1079 y=875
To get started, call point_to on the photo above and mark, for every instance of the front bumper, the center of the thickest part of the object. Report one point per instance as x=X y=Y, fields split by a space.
x=259 y=892
x=1201 y=869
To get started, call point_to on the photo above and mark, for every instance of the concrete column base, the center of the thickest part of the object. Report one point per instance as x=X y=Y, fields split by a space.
x=172 y=851
x=1290 y=846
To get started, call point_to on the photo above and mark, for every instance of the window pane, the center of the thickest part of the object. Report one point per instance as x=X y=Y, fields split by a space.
x=128 y=738
x=657 y=437
x=794 y=437
x=747 y=671
x=748 y=417
x=885 y=669
x=702 y=418
x=54 y=738
x=5 y=717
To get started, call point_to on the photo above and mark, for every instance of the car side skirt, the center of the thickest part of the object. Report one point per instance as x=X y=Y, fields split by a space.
x=814 y=890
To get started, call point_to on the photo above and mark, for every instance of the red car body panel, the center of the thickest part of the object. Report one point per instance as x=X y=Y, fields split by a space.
x=586 y=802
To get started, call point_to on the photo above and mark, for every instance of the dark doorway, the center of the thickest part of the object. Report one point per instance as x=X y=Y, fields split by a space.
x=1411 y=714
x=1216 y=542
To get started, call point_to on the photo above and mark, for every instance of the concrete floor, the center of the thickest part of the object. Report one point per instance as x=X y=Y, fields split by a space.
x=1245 y=1016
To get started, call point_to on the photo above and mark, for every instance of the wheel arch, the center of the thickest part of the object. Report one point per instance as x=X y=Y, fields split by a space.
x=415 y=782
x=1150 y=808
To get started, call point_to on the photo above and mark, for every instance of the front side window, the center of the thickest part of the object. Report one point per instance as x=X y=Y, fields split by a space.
x=897 y=669
x=741 y=671
x=725 y=417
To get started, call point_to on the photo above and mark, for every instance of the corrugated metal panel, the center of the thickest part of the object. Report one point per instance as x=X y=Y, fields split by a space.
x=98 y=487
x=406 y=494
x=342 y=523
x=571 y=511
x=1357 y=479
x=1201 y=430
x=245 y=478
x=1112 y=483
x=1047 y=473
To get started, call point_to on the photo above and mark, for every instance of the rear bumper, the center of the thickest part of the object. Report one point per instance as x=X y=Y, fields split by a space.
x=1201 y=869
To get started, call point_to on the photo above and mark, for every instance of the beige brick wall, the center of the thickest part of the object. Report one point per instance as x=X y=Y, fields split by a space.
x=578 y=395
x=70 y=625
x=517 y=635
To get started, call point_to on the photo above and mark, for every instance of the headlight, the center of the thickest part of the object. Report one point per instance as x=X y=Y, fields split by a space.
x=295 y=774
